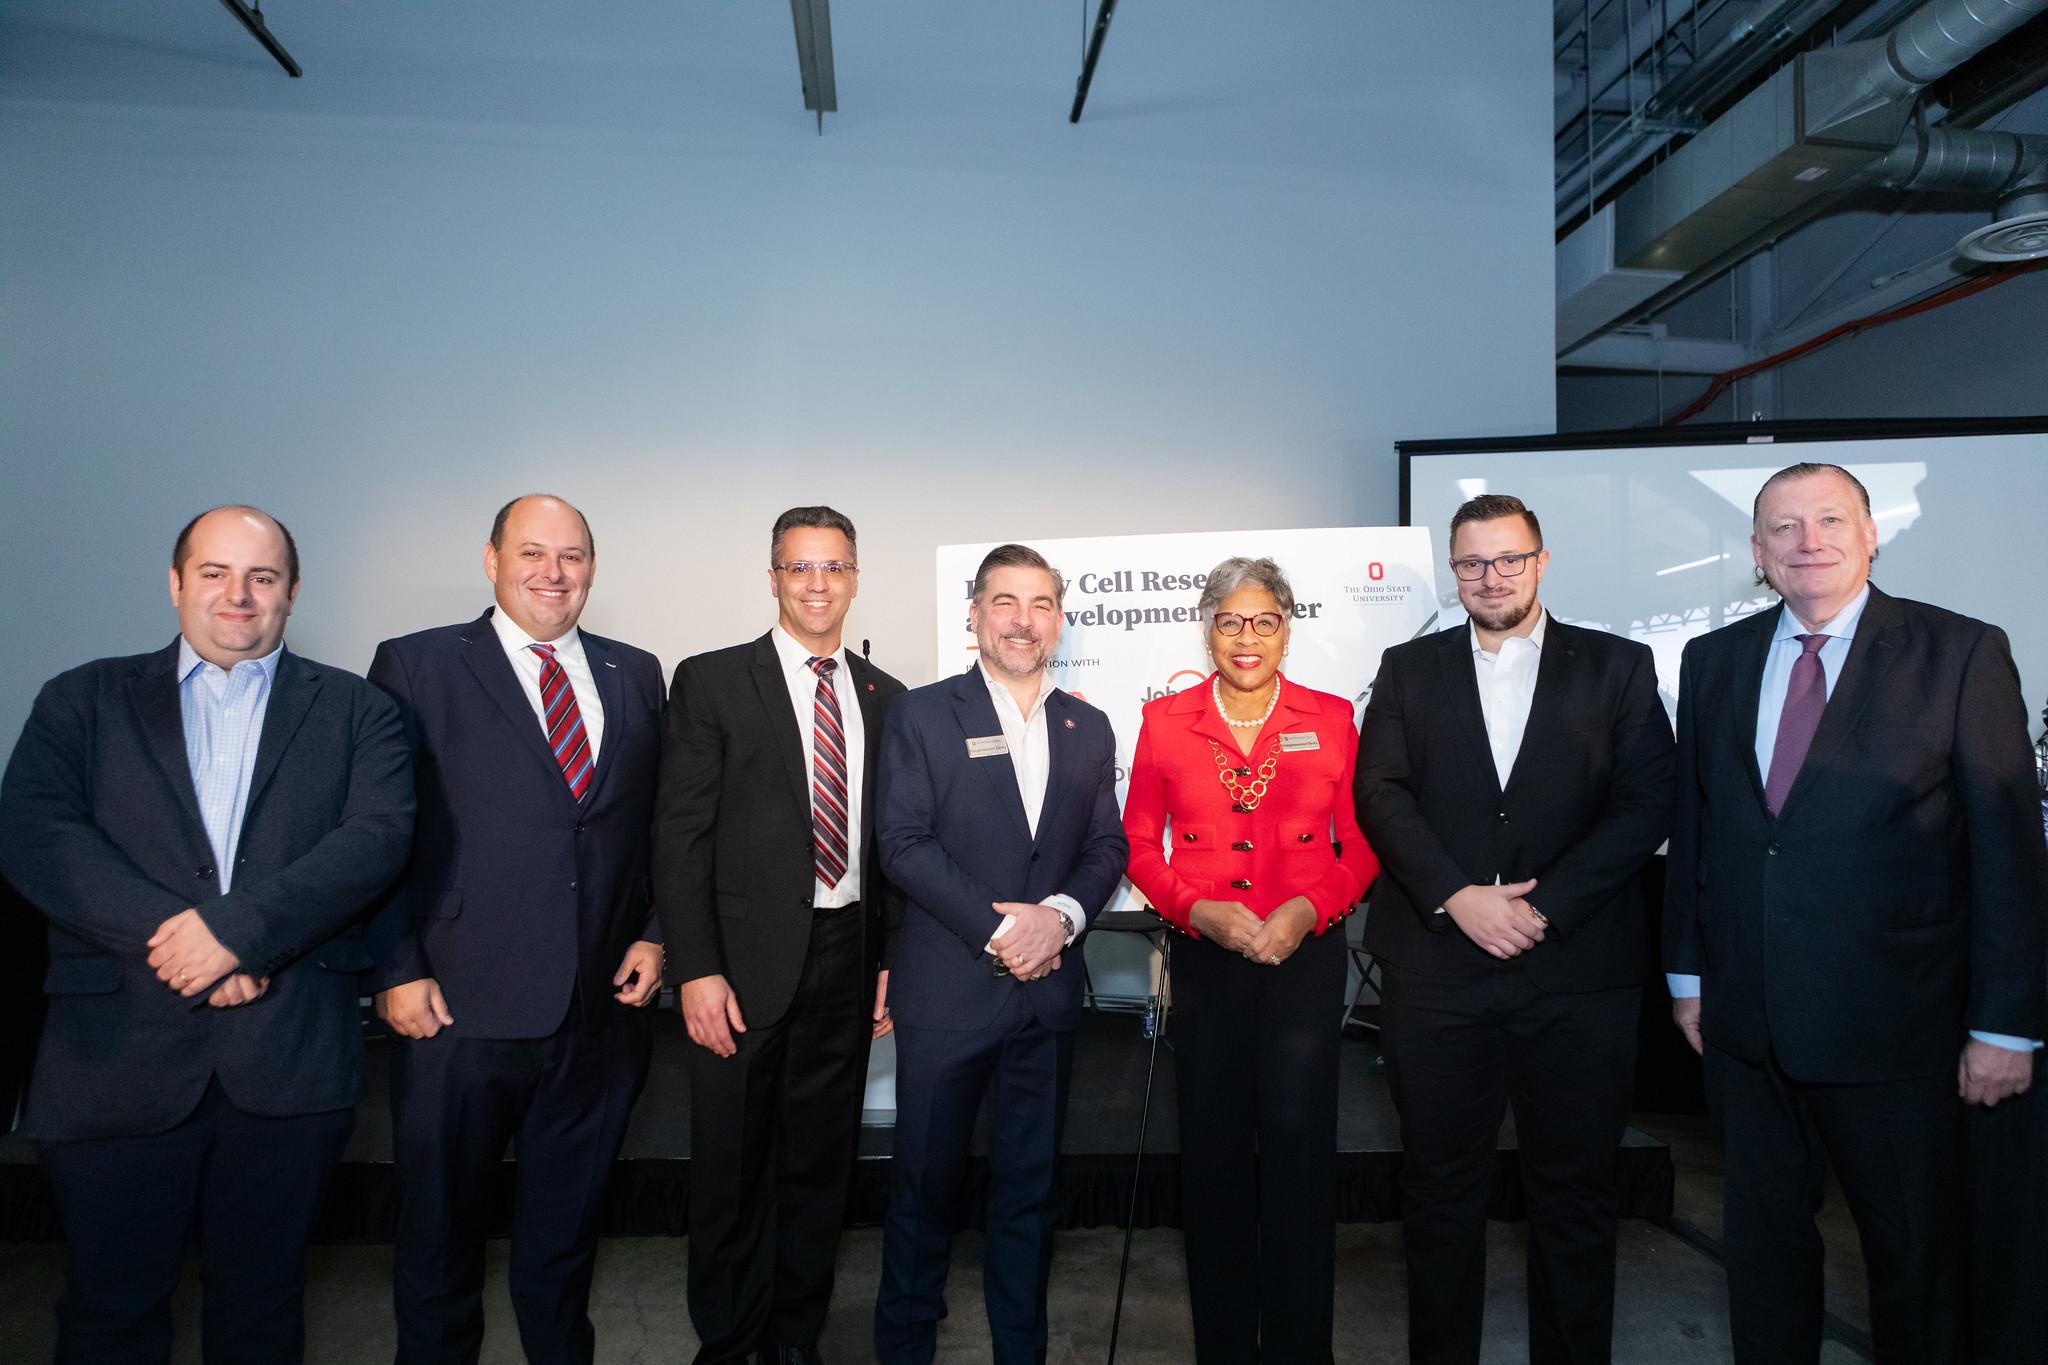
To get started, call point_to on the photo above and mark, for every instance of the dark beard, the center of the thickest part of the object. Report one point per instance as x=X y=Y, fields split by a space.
x=1516 y=614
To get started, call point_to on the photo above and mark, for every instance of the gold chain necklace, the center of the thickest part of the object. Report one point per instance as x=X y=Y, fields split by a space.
x=1244 y=796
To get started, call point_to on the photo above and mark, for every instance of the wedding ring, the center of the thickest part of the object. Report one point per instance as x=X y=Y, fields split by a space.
x=1273 y=961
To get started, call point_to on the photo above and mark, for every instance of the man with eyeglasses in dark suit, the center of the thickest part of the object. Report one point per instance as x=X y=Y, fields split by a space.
x=776 y=918
x=1513 y=775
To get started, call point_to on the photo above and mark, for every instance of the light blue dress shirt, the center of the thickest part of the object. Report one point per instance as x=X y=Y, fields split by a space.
x=1770 y=705
x=223 y=711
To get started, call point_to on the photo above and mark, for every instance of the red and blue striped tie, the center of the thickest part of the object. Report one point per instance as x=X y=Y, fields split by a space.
x=828 y=777
x=563 y=721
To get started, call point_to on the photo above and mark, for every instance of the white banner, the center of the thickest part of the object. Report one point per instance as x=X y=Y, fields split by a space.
x=1132 y=633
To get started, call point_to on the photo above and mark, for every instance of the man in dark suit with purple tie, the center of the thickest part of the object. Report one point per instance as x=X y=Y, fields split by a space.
x=1854 y=916
x=515 y=951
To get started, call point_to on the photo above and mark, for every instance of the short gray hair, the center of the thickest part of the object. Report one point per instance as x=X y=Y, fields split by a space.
x=1238 y=572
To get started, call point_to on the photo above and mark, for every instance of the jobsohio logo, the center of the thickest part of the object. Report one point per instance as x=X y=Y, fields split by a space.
x=1179 y=682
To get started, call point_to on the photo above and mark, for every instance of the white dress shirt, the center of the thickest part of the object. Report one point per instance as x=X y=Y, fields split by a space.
x=803 y=698
x=1507 y=684
x=1031 y=757
x=526 y=666
x=223 y=711
x=1770 y=708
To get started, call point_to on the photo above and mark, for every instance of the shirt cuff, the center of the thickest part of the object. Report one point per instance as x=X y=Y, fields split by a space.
x=1061 y=901
x=2009 y=1041
x=1058 y=901
x=1681 y=986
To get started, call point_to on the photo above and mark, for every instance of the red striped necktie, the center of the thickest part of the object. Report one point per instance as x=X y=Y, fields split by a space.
x=828 y=777
x=563 y=721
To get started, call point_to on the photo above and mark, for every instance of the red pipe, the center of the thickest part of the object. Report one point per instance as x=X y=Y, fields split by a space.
x=1961 y=289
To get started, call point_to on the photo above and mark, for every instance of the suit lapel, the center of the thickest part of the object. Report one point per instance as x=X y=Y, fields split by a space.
x=773 y=688
x=493 y=671
x=153 y=691
x=1062 y=738
x=292 y=692
x=1745 y=691
x=1870 y=655
x=1554 y=676
x=1462 y=711
x=611 y=695
x=975 y=712
x=870 y=702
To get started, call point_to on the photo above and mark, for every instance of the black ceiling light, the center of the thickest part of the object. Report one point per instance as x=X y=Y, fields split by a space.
x=252 y=19
x=813 y=20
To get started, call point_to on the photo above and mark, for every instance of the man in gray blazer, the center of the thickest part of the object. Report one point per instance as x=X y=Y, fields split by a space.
x=203 y=827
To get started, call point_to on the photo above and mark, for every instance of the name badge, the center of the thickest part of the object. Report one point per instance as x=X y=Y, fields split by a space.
x=988 y=746
x=1294 y=743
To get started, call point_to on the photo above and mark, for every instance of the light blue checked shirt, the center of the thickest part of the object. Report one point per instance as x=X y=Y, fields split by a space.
x=223 y=711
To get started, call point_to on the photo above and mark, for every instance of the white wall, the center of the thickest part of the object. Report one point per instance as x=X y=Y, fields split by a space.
x=489 y=247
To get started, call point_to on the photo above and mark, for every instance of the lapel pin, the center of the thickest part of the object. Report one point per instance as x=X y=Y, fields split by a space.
x=871 y=687
x=1070 y=722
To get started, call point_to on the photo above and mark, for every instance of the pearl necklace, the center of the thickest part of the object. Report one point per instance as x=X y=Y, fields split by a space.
x=1216 y=691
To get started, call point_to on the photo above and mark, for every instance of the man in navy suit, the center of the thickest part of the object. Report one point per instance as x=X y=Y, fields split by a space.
x=512 y=956
x=998 y=820
x=204 y=828
x=1854 y=918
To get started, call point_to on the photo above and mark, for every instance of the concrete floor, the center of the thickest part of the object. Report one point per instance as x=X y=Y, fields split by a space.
x=1670 y=1308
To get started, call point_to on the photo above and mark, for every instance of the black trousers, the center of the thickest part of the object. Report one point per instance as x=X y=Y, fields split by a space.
x=773 y=1130
x=2008 y=1177
x=942 y=1076
x=456 y=1103
x=1255 y=1058
x=251 y=1187
x=1896 y=1147
x=1459 y=1050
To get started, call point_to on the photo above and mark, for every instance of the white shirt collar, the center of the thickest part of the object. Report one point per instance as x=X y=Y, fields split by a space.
x=514 y=639
x=189 y=659
x=795 y=655
x=1534 y=637
x=999 y=693
x=1841 y=626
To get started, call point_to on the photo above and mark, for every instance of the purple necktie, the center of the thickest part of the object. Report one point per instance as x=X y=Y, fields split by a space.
x=1805 y=699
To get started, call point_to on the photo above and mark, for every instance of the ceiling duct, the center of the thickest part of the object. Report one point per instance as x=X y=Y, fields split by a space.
x=2012 y=166
x=1812 y=129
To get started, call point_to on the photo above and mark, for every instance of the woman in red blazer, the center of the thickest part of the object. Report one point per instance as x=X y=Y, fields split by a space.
x=1243 y=837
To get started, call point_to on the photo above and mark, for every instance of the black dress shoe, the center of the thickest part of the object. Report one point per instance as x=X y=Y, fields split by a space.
x=792 y=1355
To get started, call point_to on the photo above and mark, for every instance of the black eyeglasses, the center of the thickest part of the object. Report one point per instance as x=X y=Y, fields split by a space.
x=831 y=568
x=1265 y=623
x=1507 y=566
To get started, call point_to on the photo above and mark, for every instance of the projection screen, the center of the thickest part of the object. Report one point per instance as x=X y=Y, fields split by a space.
x=1651 y=540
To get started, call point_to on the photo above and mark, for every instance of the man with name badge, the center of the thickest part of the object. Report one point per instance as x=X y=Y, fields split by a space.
x=998 y=819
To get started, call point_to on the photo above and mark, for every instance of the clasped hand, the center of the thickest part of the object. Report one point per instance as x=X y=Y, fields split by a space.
x=1272 y=940
x=1031 y=946
x=1497 y=918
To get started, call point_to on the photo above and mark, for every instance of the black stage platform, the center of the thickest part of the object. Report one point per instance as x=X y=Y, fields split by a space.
x=650 y=1190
